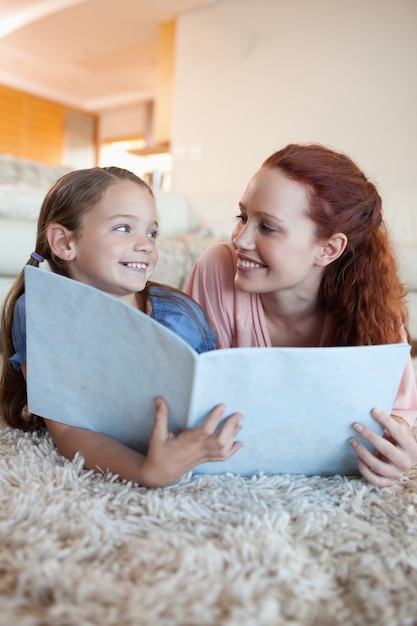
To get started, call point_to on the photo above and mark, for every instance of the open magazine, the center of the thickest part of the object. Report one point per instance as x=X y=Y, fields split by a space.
x=98 y=363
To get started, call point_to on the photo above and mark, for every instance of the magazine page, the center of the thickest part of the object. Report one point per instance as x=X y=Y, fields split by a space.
x=299 y=404
x=97 y=363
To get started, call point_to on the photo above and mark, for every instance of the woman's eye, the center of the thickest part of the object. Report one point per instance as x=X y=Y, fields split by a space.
x=154 y=234
x=123 y=228
x=242 y=218
x=267 y=229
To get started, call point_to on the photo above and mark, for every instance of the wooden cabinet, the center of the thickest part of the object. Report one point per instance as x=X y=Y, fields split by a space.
x=31 y=127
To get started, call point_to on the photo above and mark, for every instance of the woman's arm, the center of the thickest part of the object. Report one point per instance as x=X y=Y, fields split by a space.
x=405 y=403
x=169 y=456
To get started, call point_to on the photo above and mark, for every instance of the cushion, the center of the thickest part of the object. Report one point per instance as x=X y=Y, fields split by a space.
x=27 y=173
x=17 y=241
x=173 y=213
x=20 y=203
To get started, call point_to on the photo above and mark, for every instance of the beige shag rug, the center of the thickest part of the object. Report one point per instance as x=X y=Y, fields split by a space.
x=80 y=549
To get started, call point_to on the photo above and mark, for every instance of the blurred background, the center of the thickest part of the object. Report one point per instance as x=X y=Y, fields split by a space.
x=195 y=94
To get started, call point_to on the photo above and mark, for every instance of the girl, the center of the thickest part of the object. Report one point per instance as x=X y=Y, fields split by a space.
x=99 y=226
x=310 y=264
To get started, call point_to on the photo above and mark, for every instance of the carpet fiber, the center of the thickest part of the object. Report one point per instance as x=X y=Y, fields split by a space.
x=78 y=548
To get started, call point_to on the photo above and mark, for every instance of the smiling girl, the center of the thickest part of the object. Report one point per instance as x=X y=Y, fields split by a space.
x=99 y=226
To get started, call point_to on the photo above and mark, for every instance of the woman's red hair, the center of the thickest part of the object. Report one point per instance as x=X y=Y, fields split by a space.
x=361 y=290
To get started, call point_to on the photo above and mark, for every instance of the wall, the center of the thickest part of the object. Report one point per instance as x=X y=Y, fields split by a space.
x=132 y=120
x=254 y=75
x=80 y=140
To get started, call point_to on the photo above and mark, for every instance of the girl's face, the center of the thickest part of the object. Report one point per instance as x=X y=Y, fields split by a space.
x=276 y=243
x=116 y=249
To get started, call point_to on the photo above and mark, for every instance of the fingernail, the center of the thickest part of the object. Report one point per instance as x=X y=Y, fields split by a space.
x=358 y=428
x=377 y=412
x=354 y=443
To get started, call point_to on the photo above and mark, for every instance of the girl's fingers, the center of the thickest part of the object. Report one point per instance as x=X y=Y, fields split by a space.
x=160 y=426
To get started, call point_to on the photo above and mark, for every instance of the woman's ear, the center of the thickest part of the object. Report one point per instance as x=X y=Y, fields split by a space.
x=331 y=249
x=61 y=242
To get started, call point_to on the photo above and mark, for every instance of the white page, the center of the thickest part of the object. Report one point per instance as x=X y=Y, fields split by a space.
x=98 y=363
x=299 y=403
x=91 y=363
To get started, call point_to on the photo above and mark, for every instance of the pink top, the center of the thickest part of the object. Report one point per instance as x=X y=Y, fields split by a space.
x=240 y=321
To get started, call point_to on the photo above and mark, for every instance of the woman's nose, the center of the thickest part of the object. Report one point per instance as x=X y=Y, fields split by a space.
x=242 y=237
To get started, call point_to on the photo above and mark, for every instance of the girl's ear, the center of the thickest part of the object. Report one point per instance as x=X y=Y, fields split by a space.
x=61 y=242
x=331 y=249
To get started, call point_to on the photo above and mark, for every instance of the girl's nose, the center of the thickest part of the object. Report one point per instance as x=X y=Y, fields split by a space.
x=143 y=242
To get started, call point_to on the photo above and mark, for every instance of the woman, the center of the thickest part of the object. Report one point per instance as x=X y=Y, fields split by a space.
x=310 y=264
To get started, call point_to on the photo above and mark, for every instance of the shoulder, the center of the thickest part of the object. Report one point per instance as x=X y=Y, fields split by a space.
x=216 y=265
x=167 y=301
x=170 y=304
x=211 y=282
x=19 y=333
x=182 y=315
x=219 y=254
x=19 y=319
x=20 y=308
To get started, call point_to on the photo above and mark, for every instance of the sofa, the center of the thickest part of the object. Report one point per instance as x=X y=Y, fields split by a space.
x=188 y=224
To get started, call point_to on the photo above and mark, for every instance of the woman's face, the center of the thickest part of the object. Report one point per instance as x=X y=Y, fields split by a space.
x=276 y=243
x=116 y=249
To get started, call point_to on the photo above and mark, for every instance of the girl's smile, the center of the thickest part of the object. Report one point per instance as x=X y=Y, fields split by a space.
x=138 y=266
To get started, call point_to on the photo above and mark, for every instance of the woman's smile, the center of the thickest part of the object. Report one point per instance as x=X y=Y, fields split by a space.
x=246 y=263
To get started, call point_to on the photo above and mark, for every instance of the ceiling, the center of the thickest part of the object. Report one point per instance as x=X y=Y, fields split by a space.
x=90 y=54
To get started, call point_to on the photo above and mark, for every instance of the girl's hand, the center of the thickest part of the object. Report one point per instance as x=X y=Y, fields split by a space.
x=171 y=456
x=395 y=451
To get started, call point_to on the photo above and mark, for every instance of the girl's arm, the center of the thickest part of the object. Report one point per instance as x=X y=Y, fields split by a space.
x=169 y=456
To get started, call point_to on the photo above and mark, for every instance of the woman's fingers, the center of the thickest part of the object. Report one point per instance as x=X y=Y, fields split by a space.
x=395 y=451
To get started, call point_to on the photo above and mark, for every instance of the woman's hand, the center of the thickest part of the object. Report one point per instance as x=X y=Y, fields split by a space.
x=171 y=456
x=395 y=451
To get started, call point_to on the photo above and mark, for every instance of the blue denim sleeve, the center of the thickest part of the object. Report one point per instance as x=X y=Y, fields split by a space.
x=19 y=333
x=185 y=318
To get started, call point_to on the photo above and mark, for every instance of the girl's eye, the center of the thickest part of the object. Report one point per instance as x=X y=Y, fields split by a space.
x=242 y=218
x=123 y=228
x=154 y=234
